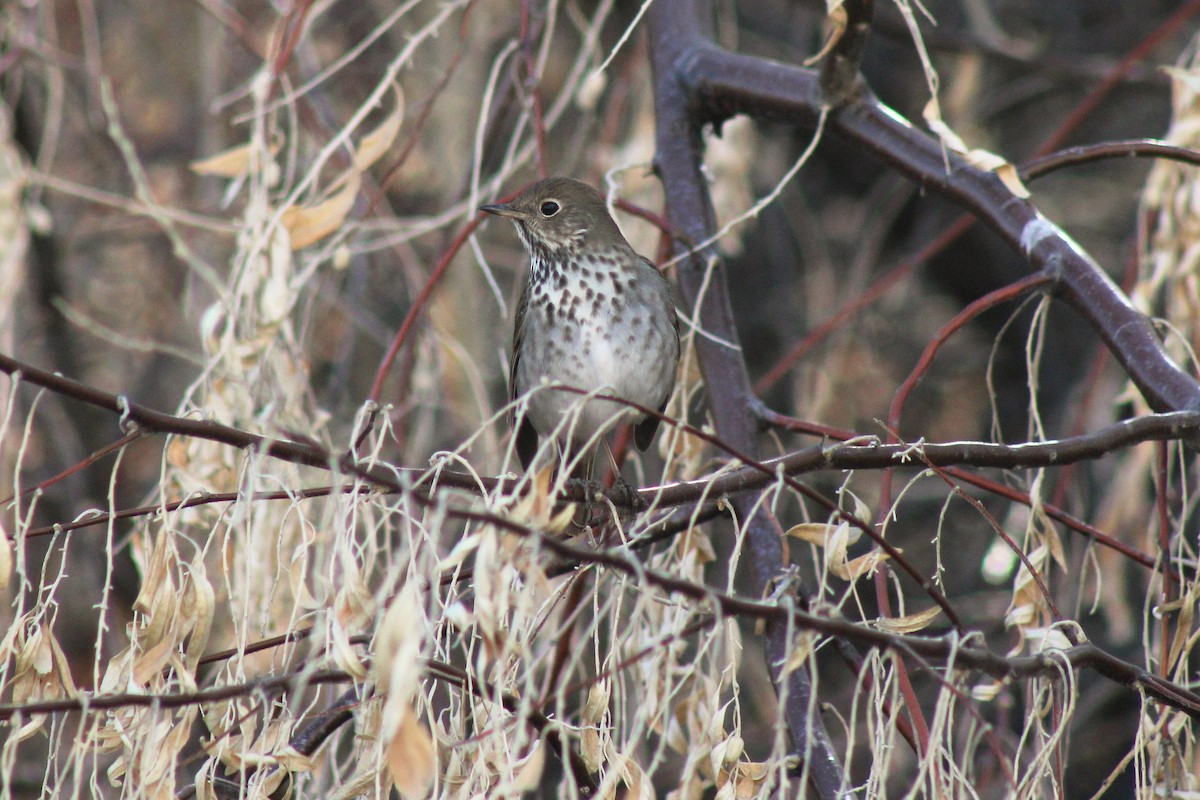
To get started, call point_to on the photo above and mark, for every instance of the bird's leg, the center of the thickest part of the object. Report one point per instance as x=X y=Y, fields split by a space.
x=626 y=492
x=581 y=480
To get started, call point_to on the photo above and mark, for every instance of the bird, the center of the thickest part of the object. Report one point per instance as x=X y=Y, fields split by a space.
x=593 y=315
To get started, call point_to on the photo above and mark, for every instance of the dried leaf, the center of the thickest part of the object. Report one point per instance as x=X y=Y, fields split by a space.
x=910 y=623
x=151 y=662
x=822 y=533
x=309 y=224
x=397 y=652
x=458 y=615
x=344 y=653
x=1053 y=540
x=529 y=776
x=1020 y=615
x=857 y=568
x=986 y=692
x=377 y=142
x=536 y=508
x=276 y=296
x=727 y=752
x=811 y=532
x=1183 y=629
x=696 y=541
x=751 y=777
x=1011 y=178
x=229 y=163
x=976 y=157
x=411 y=759
x=463 y=548
x=1050 y=638
x=590 y=750
x=837 y=19
x=6 y=559
x=805 y=640
x=590 y=92
x=597 y=702
x=199 y=607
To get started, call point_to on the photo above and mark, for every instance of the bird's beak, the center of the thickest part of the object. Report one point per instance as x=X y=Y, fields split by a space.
x=501 y=210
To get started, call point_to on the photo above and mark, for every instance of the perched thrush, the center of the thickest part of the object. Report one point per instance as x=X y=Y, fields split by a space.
x=594 y=316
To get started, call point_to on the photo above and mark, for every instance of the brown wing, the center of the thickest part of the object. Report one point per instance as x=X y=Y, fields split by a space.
x=527 y=438
x=643 y=432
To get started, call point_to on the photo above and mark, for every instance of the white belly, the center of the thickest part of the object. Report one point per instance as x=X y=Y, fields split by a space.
x=606 y=353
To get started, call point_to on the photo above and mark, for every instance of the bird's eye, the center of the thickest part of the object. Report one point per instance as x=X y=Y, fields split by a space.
x=549 y=208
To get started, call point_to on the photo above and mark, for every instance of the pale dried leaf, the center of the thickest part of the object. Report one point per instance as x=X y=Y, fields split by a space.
x=536 y=508
x=590 y=750
x=458 y=615
x=309 y=224
x=226 y=164
x=856 y=568
x=156 y=572
x=529 y=776
x=591 y=90
x=345 y=655
x=1020 y=615
x=836 y=19
x=277 y=296
x=597 y=702
x=801 y=650
x=697 y=542
x=1008 y=174
x=1052 y=539
x=1024 y=579
x=751 y=777
x=397 y=651
x=910 y=623
x=727 y=752
x=812 y=532
x=152 y=661
x=377 y=142
x=986 y=692
x=6 y=559
x=462 y=549
x=1049 y=638
x=976 y=157
x=1182 y=631
x=411 y=759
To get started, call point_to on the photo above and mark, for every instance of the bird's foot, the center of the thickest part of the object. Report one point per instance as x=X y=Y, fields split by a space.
x=587 y=514
x=625 y=495
x=628 y=495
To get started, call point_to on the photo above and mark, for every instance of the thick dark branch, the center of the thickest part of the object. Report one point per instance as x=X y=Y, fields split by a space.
x=840 y=78
x=674 y=31
x=718 y=84
x=875 y=455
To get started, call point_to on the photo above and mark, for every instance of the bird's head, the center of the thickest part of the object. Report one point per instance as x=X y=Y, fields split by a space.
x=560 y=215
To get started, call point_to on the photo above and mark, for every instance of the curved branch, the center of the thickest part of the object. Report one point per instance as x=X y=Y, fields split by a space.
x=675 y=32
x=718 y=84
